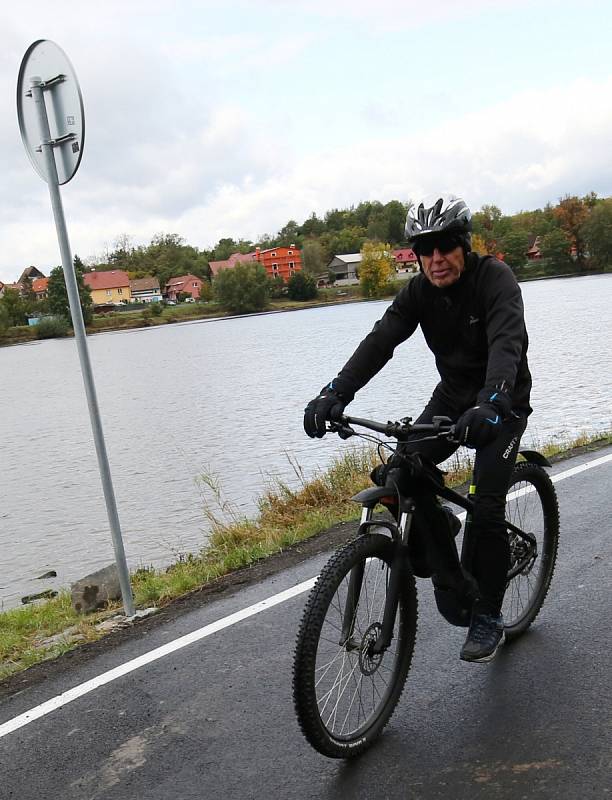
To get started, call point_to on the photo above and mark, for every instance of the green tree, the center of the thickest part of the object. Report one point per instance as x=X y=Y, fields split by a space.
x=376 y=268
x=555 y=247
x=58 y=294
x=395 y=213
x=5 y=319
x=313 y=226
x=289 y=234
x=302 y=286
x=378 y=227
x=597 y=232
x=14 y=307
x=243 y=288
x=313 y=257
x=278 y=287
x=514 y=246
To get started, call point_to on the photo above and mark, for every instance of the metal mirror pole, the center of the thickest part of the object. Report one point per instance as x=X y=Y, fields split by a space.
x=47 y=144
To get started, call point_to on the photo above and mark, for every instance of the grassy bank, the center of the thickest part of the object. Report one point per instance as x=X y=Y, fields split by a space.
x=285 y=516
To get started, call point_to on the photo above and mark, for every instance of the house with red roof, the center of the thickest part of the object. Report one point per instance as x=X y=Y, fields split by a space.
x=40 y=287
x=281 y=262
x=184 y=284
x=235 y=258
x=405 y=259
x=112 y=286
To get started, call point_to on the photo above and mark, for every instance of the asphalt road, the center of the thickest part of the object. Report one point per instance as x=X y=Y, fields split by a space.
x=215 y=719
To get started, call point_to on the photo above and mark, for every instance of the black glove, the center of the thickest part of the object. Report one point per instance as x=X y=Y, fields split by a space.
x=329 y=405
x=480 y=425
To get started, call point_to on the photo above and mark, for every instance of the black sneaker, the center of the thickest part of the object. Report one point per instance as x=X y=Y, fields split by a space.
x=485 y=635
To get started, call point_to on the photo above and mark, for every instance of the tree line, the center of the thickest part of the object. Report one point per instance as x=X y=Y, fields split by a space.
x=574 y=235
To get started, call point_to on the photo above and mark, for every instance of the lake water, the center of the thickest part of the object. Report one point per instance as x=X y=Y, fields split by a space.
x=226 y=397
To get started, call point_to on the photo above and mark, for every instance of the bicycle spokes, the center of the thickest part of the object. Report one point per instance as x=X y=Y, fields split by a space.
x=351 y=679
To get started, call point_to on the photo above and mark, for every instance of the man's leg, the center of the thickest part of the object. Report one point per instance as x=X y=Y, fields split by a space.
x=489 y=549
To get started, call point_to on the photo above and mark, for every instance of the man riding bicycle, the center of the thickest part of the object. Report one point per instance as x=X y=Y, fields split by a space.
x=470 y=310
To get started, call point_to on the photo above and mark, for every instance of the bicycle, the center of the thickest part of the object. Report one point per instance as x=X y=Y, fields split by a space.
x=356 y=637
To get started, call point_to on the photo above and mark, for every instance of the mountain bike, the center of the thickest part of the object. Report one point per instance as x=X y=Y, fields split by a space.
x=356 y=637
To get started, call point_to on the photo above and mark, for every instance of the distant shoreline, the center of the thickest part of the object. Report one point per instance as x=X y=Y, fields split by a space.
x=28 y=335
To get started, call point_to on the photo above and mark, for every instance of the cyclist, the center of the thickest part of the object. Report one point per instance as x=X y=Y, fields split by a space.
x=470 y=311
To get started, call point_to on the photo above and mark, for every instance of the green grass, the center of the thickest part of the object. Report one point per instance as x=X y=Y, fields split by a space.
x=285 y=516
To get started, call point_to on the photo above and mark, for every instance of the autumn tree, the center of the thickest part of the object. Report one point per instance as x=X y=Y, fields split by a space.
x=597 y=232
x=479 y=245
x=376 y=268
x=572 y=213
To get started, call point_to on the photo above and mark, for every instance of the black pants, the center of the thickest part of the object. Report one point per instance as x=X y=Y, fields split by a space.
x=488 y=558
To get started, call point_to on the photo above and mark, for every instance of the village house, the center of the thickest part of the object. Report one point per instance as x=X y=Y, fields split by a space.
x=228 y=263
x=30 y=273
x=345 y=267
x=111 y=287
x=145 y=290
x=183 y=284
x=533 y=248
x=405 y=259
x=40 y=287
x=281 y=262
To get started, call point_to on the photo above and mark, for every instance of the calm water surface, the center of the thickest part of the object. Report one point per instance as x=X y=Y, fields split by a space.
x=226 y=397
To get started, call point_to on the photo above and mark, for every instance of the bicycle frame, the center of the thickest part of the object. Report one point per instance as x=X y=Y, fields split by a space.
x=400 y=530
x=400 y=533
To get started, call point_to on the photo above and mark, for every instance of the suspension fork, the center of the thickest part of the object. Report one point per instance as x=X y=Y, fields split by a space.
x=399 y=535
x=397 y=572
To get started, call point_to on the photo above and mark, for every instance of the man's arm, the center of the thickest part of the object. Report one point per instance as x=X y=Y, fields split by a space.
x=505 y=323
x=396 y=325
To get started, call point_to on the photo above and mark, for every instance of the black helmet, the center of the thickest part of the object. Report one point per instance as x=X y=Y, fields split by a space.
x=446 y=214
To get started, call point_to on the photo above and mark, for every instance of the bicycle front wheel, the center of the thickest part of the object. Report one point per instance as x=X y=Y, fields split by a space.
x=345 y=693
x=531 y=505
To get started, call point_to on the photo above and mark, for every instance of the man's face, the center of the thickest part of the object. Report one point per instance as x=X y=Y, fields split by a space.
x=442 y=262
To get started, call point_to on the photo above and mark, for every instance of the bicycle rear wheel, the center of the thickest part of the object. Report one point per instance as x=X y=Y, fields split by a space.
x=344 y=693
x=531 y=505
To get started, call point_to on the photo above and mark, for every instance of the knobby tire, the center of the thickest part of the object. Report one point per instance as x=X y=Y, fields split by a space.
x=381 y=679
x=536 y=510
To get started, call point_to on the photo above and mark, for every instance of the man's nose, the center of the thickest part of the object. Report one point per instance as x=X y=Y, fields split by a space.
x=437 y=255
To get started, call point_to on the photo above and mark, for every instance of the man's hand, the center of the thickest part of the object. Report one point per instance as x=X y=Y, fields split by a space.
x=329 y=405
x=478 y=426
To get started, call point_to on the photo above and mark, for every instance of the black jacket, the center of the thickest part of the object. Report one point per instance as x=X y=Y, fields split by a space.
x=475 y=328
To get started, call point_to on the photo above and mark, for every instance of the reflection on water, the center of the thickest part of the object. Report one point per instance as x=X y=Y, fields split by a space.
x=226 y=397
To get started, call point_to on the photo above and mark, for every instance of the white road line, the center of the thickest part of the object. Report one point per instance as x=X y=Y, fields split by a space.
x=153 y=655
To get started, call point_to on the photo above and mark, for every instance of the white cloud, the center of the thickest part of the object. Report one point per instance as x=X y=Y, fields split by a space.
x=518 y=154
x=179 y=138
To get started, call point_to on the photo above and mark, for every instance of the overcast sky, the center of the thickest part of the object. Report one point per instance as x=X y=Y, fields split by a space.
x=213 y=119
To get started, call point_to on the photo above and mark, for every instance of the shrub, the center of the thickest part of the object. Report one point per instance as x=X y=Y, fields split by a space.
x=52 y=327
x=243 y=289
x=302 y=287
x=156 y=309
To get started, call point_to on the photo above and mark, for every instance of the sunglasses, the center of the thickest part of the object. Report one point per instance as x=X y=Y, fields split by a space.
x=444 y=244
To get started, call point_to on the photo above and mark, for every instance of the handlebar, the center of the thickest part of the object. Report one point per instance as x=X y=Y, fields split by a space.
x=439 y=427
